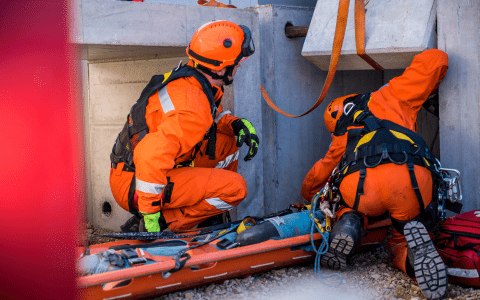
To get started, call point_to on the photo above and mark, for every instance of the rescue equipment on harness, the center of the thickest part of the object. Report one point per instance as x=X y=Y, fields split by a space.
x=449 y=192
x=136 y=128
x=378 y=142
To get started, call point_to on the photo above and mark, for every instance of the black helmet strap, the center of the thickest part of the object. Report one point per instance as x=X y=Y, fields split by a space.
x=214 y=75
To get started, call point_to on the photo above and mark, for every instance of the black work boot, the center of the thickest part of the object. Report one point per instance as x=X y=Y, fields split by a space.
x=430 y=271
x=131 y=225
x=211 y=221
x=346 y=235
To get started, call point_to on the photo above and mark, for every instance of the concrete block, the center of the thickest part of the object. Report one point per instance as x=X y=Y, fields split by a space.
x=131 y=23
x=458 y=36
x=395 y=32
x=107 y=53
x=106 y=212
x=131 y=71
x=248 y=105
x=121 y=30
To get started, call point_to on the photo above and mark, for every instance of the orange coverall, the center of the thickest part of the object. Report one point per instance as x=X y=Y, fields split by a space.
x=388 y=187
x=178 y=117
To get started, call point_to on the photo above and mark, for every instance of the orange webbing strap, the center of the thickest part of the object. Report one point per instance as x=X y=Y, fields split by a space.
x=337 y=47
x=360 y=34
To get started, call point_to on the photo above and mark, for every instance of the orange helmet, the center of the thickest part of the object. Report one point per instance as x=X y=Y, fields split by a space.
x=219 y=44
x=334 y=111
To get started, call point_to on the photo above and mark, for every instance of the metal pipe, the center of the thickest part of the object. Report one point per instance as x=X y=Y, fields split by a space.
x=296 y=31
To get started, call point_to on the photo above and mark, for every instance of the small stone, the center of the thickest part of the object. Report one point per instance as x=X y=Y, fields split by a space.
x=188 y=295
x=237 y=290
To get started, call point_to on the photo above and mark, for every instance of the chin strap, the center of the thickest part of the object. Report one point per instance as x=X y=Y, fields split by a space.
x=223 y=77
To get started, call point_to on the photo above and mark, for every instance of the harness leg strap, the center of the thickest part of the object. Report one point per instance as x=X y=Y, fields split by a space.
x=361 y=181
x=416 y=189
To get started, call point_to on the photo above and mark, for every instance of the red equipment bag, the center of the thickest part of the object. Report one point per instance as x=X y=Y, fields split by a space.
x=459 y=246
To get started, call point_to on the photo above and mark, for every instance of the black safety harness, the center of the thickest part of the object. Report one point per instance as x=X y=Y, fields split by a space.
x=373 y=141
x=136 y=128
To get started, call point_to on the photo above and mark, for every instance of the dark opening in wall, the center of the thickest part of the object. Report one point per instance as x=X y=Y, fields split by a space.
x=106 y=209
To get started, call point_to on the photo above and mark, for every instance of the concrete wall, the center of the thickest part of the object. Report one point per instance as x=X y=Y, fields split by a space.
x=458 y=35
x=113 y=88
x=292 y=145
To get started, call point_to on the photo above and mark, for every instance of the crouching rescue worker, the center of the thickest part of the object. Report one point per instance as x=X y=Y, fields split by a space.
x=381 y=166
x=174 y=163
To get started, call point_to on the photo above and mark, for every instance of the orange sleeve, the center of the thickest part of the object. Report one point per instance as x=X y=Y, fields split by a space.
x=423 y=76
x=319 y=173
x=224 y=125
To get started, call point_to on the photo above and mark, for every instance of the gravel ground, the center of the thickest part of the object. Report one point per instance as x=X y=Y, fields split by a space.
x=369 y=275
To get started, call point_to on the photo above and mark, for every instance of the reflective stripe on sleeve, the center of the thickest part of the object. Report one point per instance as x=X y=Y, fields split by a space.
x=147 y=187
x=165 y=100
x=228 y=160
x=219 y=204
x=465 y=273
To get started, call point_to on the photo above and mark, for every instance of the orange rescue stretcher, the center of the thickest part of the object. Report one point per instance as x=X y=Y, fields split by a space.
x=137 y=269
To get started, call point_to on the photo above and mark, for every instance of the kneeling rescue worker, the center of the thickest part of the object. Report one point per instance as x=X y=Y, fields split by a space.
x=174 y=163
x=384 y=167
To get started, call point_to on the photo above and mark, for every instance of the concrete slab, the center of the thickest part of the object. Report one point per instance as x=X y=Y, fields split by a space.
x=106 y=53
x=395 y=32
x=110 y=30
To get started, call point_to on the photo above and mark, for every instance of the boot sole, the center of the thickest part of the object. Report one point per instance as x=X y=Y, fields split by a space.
x=430 y=270
x=336 y=256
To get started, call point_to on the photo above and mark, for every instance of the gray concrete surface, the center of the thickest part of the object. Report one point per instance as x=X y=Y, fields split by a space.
x=458 y=35
x=395 y=31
